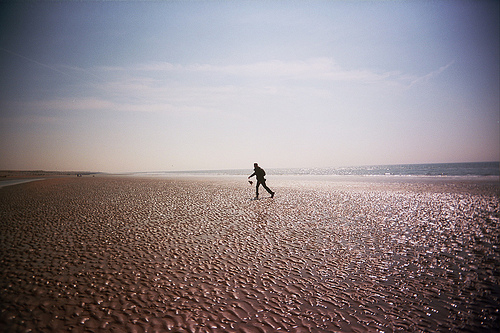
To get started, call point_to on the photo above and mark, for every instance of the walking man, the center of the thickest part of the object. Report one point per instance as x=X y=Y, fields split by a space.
x=260 y=173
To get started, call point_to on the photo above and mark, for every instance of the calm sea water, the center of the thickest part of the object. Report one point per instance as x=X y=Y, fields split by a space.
x=436 y=169
x=441 y=169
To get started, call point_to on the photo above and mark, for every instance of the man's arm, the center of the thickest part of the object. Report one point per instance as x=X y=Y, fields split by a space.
x=253 y=174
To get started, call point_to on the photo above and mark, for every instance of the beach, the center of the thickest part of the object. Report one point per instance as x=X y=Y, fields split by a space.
x=197 y=254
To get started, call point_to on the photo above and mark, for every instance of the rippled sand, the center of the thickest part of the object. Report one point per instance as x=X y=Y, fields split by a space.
x=130 y=254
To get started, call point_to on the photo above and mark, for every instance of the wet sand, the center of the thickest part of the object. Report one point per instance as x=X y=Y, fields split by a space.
x=197 y=255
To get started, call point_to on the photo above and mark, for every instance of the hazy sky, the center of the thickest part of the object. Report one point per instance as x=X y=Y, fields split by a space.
x=150 y=86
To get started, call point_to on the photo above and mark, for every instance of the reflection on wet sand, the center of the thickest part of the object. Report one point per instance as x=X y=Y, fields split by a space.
x=132 y=254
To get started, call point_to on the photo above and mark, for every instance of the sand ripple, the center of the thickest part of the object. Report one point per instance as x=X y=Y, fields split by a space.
x=137 y=255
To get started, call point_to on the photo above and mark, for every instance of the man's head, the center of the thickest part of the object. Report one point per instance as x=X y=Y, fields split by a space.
x=255 y=165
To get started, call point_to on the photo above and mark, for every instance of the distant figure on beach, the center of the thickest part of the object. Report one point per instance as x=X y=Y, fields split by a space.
x=259 y=173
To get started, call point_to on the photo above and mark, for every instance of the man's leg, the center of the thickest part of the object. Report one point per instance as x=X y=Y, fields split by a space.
x=257 y=189
x=267 y=188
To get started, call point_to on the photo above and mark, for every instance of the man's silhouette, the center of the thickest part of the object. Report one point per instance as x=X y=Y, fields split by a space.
x=260 y=173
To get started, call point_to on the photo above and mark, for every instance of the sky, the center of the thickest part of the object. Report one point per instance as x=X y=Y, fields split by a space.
x=118 y=86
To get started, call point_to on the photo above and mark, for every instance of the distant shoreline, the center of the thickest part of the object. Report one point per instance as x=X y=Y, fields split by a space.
x=16 y=174
x=10 y=182
x=432 y=170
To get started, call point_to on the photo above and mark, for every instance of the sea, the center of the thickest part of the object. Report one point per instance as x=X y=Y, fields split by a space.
x=473 y=169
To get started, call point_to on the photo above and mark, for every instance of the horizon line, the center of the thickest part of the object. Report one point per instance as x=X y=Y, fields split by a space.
x=87 y=172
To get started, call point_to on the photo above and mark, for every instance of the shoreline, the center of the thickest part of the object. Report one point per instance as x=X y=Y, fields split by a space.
x=20 y=174
x=16 y=181
x=474 y=184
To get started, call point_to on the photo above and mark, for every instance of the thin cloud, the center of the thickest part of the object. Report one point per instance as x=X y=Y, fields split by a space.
x=73 y=72
x=311 y=69
x=141 y=89
x=36 y=62
x=431 y=75
x=68 y=105
x=31 y=119
x=65 y=105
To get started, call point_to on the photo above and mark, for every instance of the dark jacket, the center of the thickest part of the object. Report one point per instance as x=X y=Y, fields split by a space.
x=259 y=173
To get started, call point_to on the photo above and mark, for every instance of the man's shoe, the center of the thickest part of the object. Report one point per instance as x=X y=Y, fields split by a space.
x=272 y=194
